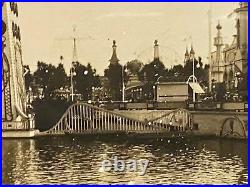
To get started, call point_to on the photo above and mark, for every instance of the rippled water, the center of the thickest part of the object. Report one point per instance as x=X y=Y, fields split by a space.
x=68 y=160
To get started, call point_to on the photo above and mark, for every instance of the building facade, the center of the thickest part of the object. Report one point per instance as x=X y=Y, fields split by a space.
x=14 y=103
x=229 y=61
x=13 y=88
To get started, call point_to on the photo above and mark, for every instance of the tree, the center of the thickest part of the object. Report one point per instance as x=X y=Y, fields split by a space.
x=175 y=74
x=60 y=77
x=201 y=73
x=49 y=77
x=243 y=87
x=84 y=79
x=149 y=74
x=134 y=66
x=220 y=91
x=152 y=71
x=28 y=77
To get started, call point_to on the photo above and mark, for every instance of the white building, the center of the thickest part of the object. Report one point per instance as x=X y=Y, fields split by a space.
x=230 y=62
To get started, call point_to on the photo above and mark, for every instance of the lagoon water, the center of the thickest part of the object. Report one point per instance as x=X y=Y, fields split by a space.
x=71 y=160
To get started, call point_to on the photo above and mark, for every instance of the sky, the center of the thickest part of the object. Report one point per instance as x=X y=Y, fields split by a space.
x=47 y=31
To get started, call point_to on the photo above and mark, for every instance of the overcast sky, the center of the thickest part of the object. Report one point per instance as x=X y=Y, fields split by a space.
x=47 y=29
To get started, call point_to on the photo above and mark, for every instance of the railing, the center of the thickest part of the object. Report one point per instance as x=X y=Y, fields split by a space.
x=82 y=118
x=153 y=105
x=219 y=106
x=18 y=125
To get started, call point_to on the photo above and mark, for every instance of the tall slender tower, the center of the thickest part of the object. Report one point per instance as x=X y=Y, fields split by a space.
x=217 y=66
x=242 y=33
x=75 y=56
x=156 y=50
x=14 y=114
x=114 y=59
x=13 y=91
x=210 y=47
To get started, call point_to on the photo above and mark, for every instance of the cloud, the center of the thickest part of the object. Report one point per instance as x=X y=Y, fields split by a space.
x=129 y=15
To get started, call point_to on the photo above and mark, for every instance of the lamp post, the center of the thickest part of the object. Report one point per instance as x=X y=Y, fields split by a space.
x=154 y=94
x=72 y=73
x=123 y=83
x=193 y=82
x=71 y=84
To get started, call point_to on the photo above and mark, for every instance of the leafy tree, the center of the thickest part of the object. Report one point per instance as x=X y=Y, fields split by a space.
x=50 y=77
x=84 y=79
x=134 y=66
x=60 y=76
x=149 y=74
x=28 y=77
x=175 y=74
x=220 y=91
x=201 y=73
x=243 y=87
x=152 y=71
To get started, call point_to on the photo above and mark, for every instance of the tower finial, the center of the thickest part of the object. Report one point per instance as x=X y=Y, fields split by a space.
x=187 y=57
x=218 y=27
x=156 y=42
x=187 y=53
x=156 y=50
x=75 y=56
x=114 y=43
x=114 y=59
x=192 y=50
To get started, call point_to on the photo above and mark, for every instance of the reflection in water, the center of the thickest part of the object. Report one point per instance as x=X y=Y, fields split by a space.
x=69 y=160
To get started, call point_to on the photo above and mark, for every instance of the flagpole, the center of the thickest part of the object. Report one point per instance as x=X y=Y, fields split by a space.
x=210 y=47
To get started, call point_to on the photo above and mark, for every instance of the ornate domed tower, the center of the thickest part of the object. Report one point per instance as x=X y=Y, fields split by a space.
x=217 y=68
x=156 y=50
x=114 y=59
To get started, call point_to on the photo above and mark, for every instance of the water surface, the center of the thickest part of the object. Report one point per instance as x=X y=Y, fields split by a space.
x=68 y=160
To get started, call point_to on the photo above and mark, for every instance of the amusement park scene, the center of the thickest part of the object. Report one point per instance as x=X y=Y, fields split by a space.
x=124 y=93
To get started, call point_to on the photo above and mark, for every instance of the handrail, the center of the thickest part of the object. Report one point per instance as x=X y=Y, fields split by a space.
x=62 y=125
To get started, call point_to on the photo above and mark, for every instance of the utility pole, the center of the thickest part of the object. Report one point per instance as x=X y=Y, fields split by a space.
x=75 y=56
x=210 y=47
x=192 y=55
x=124 y=70
x=74 y=60
x=123 y=85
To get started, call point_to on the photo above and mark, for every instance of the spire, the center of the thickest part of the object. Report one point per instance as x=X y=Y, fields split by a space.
x=192 y=50
x=187 y=53
x=238 y=32
x=75 y=56
x=187 y=57
x=156 y=50
x=114 y=59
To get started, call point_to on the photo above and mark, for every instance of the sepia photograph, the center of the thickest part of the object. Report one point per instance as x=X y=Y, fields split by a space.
x=124 y=93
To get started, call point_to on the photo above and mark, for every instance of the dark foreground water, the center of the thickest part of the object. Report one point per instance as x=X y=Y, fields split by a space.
x=68 y=160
